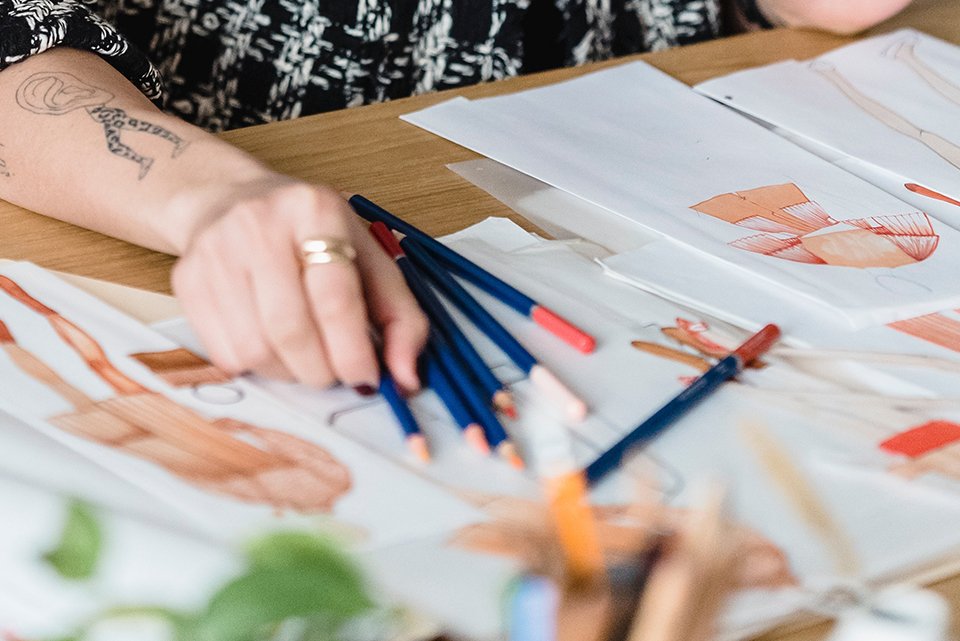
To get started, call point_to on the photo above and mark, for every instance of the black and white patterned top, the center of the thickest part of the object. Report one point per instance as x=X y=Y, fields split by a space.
x=231 y=63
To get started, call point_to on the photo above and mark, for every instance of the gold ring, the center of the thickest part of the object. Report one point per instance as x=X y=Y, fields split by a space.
x=323 y=251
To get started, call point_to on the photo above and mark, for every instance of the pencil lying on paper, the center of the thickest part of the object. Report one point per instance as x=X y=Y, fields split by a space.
x=438 y=314
x=541 y=377
x=408 y=424
x=439 y=381
x=685 y=401
x=542 y=316
x=492 y=429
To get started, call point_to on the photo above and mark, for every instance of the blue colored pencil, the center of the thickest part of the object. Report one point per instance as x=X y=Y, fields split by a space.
x=438 y=314
x=463 y=267
x=451 y=359
x=685 y=401
x=439 y=381
x=408 y=424
x=540 y=376
x=493 y=430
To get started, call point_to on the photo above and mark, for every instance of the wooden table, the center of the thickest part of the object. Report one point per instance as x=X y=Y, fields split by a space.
x=370 y=150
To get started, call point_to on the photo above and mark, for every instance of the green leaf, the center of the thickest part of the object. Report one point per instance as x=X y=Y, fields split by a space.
x=265 y=596
x=81 y=543
x=302 y=550
x=292 y=575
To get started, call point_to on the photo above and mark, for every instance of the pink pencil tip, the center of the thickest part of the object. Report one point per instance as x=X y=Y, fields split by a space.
x=473 y=435
x=503 y=401
x=546 y=381
x=418 y=446
x=508 y=452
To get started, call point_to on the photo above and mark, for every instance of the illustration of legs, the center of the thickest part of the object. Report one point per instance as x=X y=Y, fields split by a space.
x=905 y=51
x=209 y=454
x=931 y=447
x=938 y=329
x=942 y=147
x=115 y=121
x=306 y=477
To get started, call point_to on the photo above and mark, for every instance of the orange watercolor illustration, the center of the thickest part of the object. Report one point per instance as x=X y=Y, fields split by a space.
x=938 y=329
x=794 y=228
x=696 y=348
x=225 y=456
x=181 y=368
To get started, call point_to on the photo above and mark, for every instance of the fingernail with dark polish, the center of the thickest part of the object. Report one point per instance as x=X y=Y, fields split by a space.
x=364 y=390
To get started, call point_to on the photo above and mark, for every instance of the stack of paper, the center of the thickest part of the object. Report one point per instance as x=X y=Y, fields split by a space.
x=717 y=186
x=886 y=109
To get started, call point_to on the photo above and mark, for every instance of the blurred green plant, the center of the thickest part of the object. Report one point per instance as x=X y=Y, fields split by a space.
x=81 y=542
x=295 y=582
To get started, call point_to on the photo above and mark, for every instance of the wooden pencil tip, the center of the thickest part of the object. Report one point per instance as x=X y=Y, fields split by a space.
x=503 y=401
x=473 y=434
x=508 y=452
x=418 y=446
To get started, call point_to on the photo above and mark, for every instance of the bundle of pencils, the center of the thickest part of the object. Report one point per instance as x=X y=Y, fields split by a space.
x=670 y=588
x=453 y=367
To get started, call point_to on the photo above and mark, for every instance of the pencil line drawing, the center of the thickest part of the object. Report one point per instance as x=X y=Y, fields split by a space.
x=938 y=329
x=54 y=93
x=224 y=456
x=939 y=145
x=793 y=227
x=905 y=52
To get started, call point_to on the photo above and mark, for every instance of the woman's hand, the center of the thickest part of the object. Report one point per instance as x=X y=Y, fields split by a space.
x=237 y=226
x=255 y=308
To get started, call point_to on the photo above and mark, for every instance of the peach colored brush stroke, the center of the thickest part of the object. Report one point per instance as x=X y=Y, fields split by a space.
x=934 y=328
x=181 y=368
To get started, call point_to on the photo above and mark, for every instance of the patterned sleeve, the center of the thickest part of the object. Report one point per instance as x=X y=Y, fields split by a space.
x=29 y=27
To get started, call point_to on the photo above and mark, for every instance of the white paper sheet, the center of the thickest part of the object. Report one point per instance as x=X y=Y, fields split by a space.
x=706 y=442
x=642 y=145
x=888 y=104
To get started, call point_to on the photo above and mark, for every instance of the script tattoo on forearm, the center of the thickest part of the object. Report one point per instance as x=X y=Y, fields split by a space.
x=4 y=171
x=54 y=93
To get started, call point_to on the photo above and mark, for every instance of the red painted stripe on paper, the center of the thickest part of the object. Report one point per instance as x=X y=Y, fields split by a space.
x=923 y=439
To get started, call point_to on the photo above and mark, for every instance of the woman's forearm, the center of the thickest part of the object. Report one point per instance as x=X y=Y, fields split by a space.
x=837 y=16
x=82 y=144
